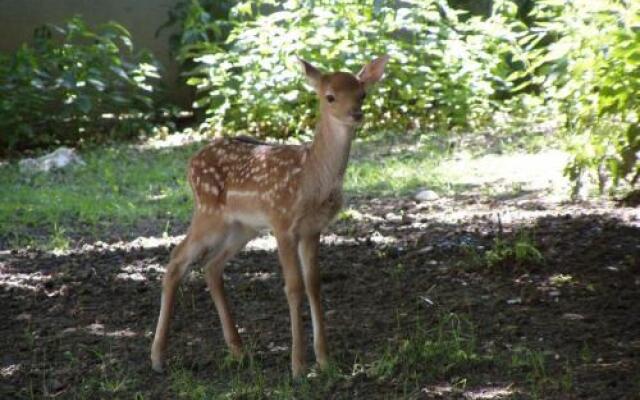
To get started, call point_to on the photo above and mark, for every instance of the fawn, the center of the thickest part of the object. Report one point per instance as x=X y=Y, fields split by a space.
x=241 y=186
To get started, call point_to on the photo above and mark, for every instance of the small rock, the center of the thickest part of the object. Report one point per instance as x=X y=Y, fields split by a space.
x=68 y=331
x=427 y=300
x=572 y=317
x=56 y=309
x=516 y=300
x=64 y=290
x=8 y=371
x=391 y=217
x=426 y=195
x=24 y=317
x=60 y=158
x=55 y=385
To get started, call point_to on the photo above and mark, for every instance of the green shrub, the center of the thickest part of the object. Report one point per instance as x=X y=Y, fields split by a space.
x=591 y=69
x=443 y=72
x=517 y=252
x=197 y=23
x=72 y=84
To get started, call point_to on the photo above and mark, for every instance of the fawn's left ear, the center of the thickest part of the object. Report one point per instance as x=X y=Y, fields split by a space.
x=372 y=72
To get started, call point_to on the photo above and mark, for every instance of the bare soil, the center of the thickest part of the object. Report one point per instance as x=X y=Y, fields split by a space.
x=74 y=323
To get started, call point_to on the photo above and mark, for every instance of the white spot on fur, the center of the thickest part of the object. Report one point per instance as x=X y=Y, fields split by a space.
x=242 y=193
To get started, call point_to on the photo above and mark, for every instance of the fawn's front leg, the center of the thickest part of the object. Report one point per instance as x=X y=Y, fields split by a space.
x=294 y=289
x=308 y=250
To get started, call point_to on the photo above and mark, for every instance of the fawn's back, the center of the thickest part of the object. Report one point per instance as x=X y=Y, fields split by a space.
x=253 y=183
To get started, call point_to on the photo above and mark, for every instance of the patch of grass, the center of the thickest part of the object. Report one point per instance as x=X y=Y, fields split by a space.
x=396 y=272
x=118 y=186
x=396 y=173
x=561 y=279
x=519 y=251
x=565 y=381
x=503 y=252
x=247 y=379
x=185 y=386
x=532 y=363
x=471 y=259
x=586 y=354
x=533 y=366
x=448 y=350
x=108 y=380
x=58 y=239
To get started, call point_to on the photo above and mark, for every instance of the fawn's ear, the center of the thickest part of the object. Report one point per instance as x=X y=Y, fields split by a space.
x=372 y=72
x=314 y=76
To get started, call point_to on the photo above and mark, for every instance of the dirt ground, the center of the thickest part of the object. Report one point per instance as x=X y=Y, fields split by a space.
x=79 y=323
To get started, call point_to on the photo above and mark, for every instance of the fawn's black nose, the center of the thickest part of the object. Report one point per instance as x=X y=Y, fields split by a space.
x=357 y=115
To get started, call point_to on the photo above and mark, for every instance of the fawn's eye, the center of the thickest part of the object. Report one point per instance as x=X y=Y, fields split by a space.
x=330 y=98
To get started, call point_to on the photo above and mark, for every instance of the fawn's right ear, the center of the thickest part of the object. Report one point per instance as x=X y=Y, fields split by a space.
x=314 y=76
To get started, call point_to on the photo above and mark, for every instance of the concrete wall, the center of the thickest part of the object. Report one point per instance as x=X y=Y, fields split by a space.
x=18 y=19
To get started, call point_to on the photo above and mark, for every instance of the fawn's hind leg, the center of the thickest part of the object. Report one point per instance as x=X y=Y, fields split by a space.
x=202 y=234
x=236 y=238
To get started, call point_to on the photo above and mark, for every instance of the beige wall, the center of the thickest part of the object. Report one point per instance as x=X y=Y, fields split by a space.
x=18 y=19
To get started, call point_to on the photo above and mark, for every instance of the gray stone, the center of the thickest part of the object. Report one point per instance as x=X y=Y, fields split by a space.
x=426 y=195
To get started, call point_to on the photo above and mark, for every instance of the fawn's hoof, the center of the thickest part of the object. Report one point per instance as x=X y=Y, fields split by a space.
x=157 y=364
x=236 y=351
x=298 y=371
x=323 y=364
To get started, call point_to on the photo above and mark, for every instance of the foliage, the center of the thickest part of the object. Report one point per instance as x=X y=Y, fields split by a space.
x=443 y=72
x=198 y=22
x=575 y=62
x=591 y=69
x=60 y=88
x=520 y=251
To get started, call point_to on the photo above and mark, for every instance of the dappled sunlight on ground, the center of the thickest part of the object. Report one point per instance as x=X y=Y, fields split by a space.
x=483 y=393
x=519 y=175
x=387 y=265
x=564 y=322
x=11 y=279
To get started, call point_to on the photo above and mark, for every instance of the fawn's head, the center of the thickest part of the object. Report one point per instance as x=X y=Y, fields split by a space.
x=341 y=94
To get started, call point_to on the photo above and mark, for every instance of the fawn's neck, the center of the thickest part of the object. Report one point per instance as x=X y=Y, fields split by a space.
x=329 y=154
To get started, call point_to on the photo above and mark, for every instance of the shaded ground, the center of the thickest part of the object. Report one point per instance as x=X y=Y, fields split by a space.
x=79 y=325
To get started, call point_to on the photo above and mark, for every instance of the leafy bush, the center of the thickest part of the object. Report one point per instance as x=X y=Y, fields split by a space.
x=591 y=69
x=443 y=72
x=197 y=22
x=74 y=84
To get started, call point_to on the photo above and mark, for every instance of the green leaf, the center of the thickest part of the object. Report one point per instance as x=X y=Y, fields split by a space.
x=84 y=104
